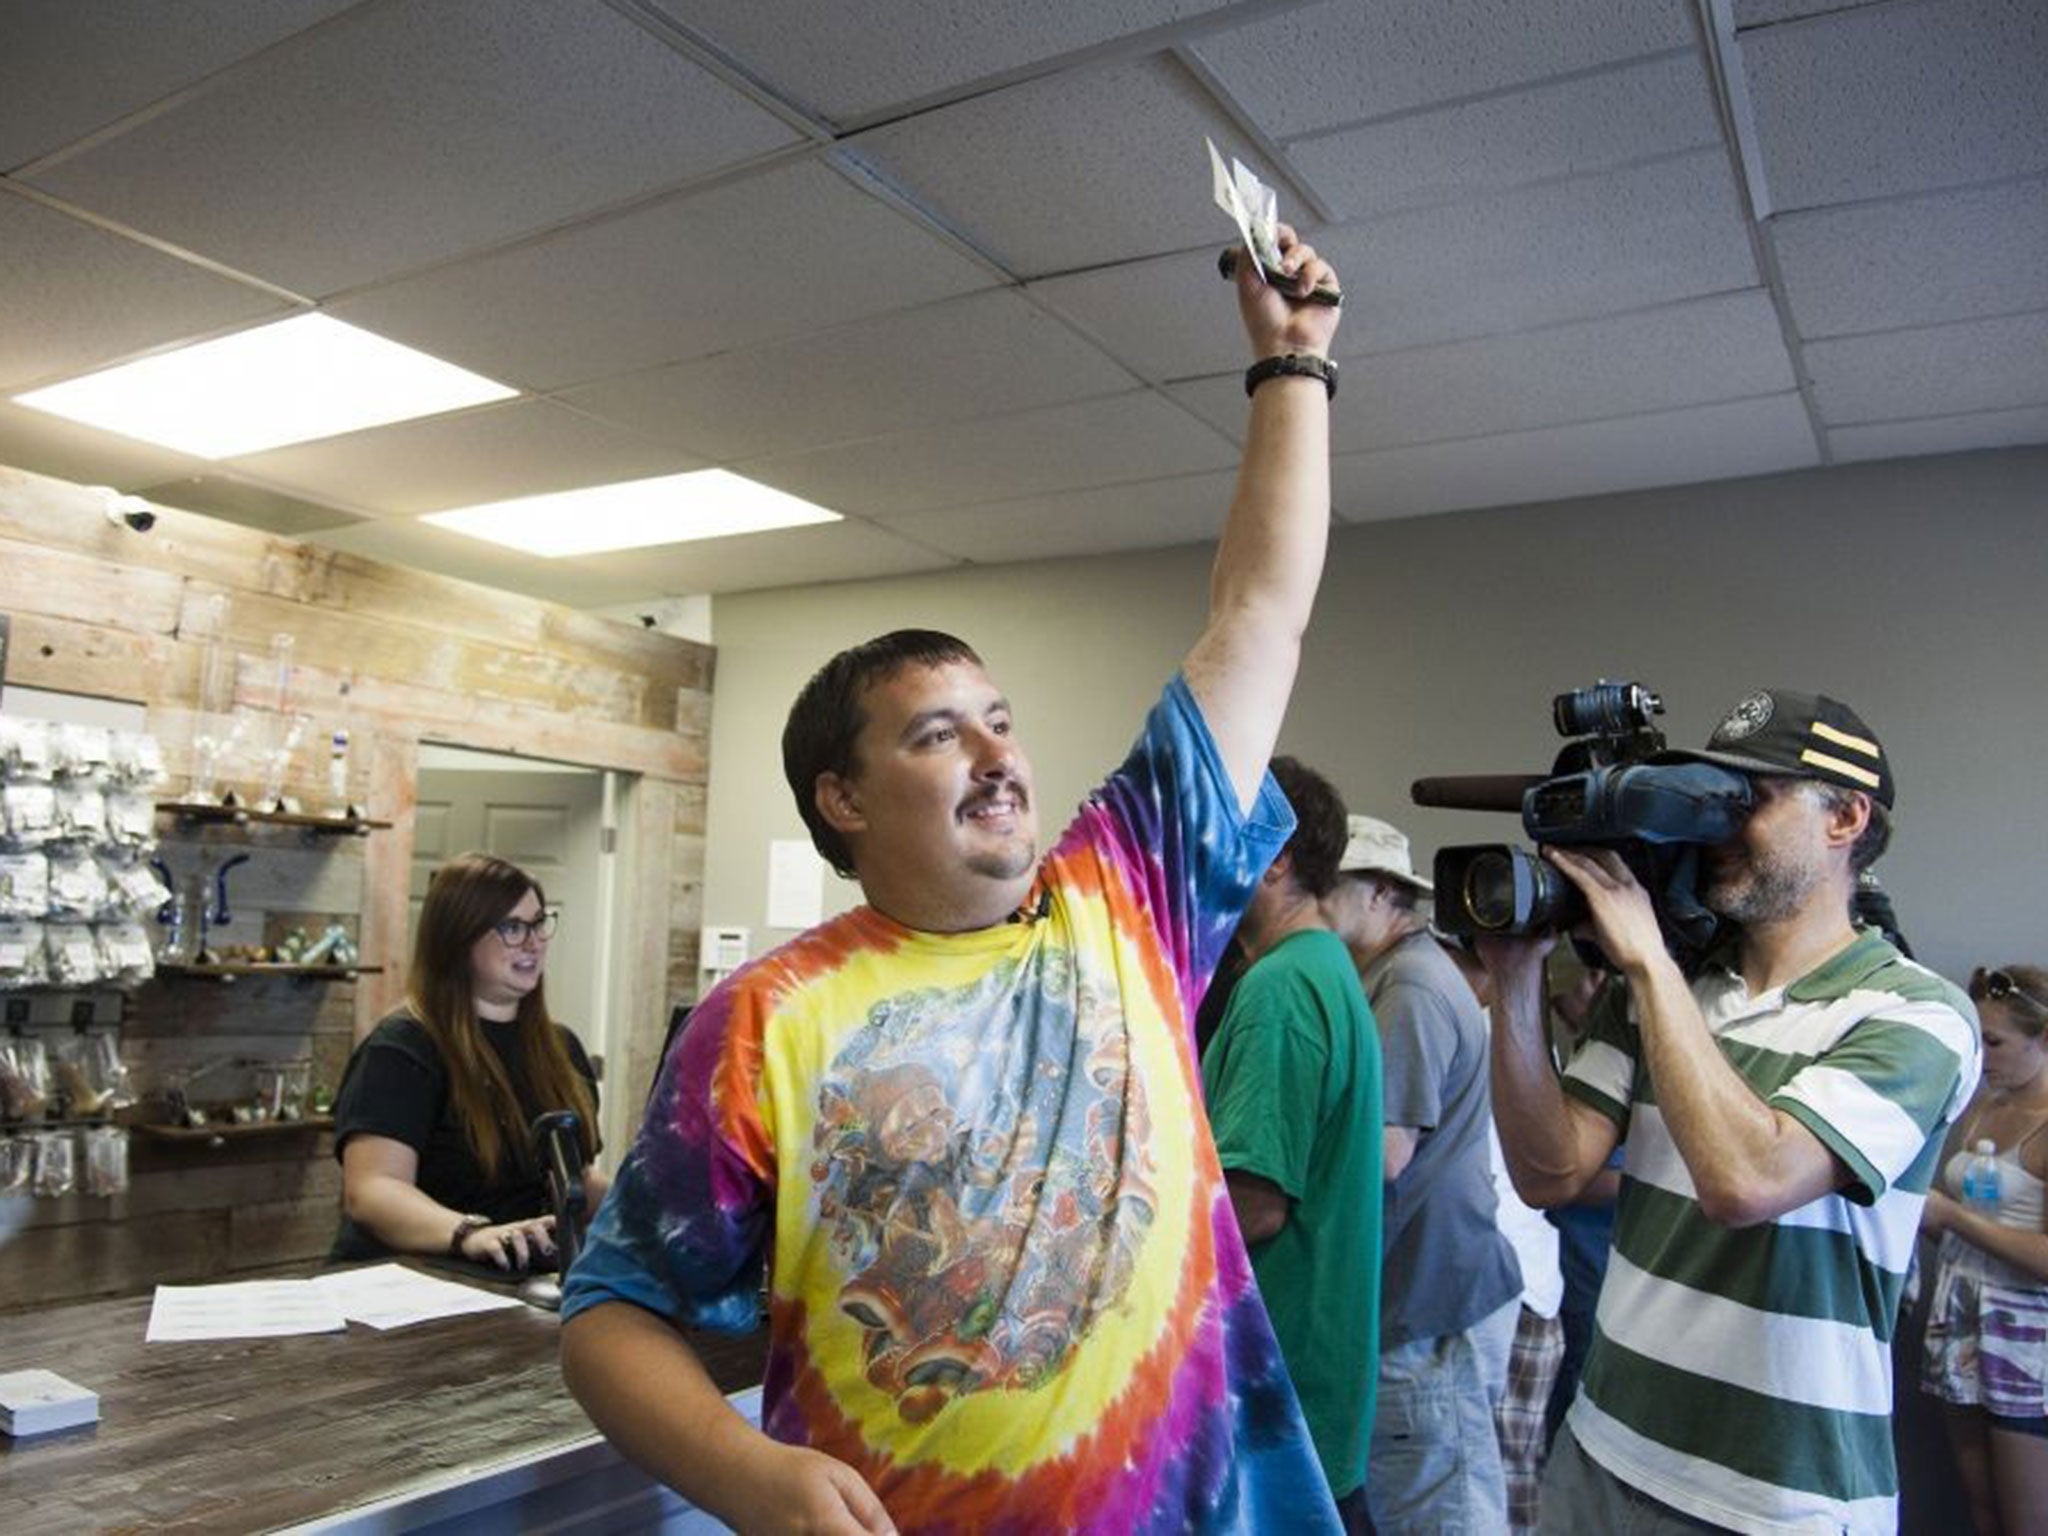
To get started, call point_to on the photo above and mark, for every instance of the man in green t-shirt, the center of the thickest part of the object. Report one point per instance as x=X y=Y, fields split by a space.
x=1293 y=1083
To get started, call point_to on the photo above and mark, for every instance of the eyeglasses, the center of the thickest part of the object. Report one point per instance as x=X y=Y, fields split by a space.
x=1997 y=986
x=514 y=931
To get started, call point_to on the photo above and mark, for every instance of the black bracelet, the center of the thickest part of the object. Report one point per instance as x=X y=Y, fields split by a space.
x=1304 y=365
x=463 y=1229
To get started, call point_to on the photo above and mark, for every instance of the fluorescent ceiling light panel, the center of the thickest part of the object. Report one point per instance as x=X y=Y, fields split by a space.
x=634 y=514
x=306 y=377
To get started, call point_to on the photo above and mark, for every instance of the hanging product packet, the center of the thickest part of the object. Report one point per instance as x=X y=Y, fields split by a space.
x=24 y=1077
x=106 y=1160
x=24 y=749
x=23 y=956
x=24 y=885
x=56 y=1163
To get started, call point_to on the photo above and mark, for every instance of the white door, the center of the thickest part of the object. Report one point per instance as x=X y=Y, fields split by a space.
x=549 y=821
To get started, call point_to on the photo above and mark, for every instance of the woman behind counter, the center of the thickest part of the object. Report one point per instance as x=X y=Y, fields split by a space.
x=1987 y=1326
x=431 y=1119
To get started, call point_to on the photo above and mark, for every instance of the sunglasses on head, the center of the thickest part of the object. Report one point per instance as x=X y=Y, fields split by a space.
x=1998 y=986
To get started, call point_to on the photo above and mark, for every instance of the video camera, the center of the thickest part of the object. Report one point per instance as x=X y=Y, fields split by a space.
x=1607 y=789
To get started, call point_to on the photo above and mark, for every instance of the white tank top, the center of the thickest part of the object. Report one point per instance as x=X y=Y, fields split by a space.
x=2019 y=1192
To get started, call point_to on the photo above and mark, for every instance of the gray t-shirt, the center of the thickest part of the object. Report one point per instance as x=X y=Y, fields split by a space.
x=1447 y=1265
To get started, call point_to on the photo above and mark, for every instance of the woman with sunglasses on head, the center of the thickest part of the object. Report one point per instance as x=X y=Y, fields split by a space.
x=1987 y=1323
x=431 y=1121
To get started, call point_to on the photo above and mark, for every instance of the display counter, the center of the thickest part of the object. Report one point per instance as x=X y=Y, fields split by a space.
x=461 y=1424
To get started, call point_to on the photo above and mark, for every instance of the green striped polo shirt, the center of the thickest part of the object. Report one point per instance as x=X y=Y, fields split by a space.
x=1744 y=1376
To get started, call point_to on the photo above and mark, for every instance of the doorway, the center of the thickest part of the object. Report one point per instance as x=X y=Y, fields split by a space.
x=556 y=821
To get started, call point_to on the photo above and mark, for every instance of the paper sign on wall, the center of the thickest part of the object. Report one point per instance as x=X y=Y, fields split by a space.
x=796 y=884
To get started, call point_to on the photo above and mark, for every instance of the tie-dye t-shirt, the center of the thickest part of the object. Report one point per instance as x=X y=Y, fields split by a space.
x=1006 y=1283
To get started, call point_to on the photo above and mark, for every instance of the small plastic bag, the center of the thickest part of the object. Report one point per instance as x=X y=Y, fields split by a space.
x=29 y=813
x=106 y=1160
x=24 y=1077
x=131 y=819
x=56 y=1163
x=17 y=1164
x=134 y=759
x=24 y=961
x=81 y=811
x=78 y=751
x=77 y=888
x=24 y=885
x=71 y=954
x=24 y=749
x=125 y=956
x=137 y=890
x=90 y=1074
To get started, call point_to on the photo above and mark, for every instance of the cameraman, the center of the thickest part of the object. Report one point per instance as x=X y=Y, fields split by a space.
x=1781 y=1113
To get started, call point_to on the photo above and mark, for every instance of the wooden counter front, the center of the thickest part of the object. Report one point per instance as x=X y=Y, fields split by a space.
x=250 y=1435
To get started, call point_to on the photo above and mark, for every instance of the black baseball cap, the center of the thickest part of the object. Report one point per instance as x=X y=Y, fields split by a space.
x=1805 y=735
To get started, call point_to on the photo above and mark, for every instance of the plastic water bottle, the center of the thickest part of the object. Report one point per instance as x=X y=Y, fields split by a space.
x=1980 y=1178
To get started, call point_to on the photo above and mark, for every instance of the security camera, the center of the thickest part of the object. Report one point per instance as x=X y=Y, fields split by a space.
x=127 y=511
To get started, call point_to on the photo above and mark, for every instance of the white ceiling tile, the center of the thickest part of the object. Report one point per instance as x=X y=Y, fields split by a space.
x=520 y=448
x=848 y=551
x=1147 y=515
x=846 y=62
x=74 y=297
x=406 y=134
x=1137 y=436
x=745 y=263
x=424 y=547
x=1941 y=434
x=1944 y=370
x=1171 y=317
x=50 y=445
x=1708 y=442
x=1344 y=62
x=1764 y=13
x=1898 y=98
x=140 y=51
x=1589 y=123
x=1073 y=170
x=975 y=356
x=1624 y=240
x=1584 y=372
x=1916 y=261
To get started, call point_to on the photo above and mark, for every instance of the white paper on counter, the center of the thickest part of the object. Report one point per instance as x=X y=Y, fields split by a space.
x=392 y=1296
x=247 y=1309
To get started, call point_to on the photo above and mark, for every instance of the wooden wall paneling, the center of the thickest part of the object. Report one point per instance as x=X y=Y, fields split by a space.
x=61 y=584
x=396 y=657
x=387 y=876
x=646 y=818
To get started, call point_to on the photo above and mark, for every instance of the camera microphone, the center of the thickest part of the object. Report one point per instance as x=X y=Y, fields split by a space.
x=1476 y=791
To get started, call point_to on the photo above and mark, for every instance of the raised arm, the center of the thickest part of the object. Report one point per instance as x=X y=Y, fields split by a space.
x=1241 y=669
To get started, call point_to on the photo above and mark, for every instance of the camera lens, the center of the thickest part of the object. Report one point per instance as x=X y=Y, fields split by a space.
x=1489 y=890
x=1605 y=709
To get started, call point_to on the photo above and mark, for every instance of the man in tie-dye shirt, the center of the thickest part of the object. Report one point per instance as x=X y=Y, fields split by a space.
x=961 y=1124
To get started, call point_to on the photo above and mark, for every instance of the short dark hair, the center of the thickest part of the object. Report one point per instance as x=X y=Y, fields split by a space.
x=1876 y=836
x=826 y=719
x=1320 y=825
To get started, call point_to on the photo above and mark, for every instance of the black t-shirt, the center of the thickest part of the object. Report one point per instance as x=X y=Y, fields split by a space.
x=396 y=1085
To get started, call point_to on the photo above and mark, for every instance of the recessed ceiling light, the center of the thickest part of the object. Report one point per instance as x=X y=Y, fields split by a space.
x=298 y=379
x=633 y=514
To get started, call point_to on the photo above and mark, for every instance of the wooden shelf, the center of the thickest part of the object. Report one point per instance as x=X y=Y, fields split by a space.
x=227 y=1130
x=242 y=815
x=232 y=969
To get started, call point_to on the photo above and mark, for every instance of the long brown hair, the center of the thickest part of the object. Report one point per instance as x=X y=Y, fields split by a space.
x=467 y=898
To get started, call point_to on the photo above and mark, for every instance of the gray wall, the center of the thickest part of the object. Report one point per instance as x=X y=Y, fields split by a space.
x=1914 y=590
